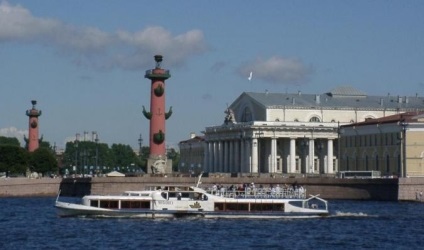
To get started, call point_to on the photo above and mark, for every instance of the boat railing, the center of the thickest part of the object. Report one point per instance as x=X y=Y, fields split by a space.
x=260 y=193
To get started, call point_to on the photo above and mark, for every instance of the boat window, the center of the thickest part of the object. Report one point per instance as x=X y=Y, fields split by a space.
x=135 y=204
x=223 y=206
x=296 y=203
x=134 y=194
x=94 y=203
x=266 y=207
x=199 y=196
x=163 y=194
x=237 y=207
x=186 y=195
x=108 y=204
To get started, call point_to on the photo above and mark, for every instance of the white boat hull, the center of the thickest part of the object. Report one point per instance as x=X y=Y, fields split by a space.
x=72 y=210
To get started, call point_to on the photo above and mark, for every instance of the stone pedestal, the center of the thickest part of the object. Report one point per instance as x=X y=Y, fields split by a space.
x=159 y=166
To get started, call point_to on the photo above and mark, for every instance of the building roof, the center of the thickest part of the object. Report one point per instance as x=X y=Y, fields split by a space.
x=195 y=139
x=338 y=98
x=402 y=117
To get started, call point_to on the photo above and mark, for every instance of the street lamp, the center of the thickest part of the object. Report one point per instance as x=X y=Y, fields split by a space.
x=140 y=153
x=403 y=172
x=76 y=151
x=96 y=139
x=190 y=159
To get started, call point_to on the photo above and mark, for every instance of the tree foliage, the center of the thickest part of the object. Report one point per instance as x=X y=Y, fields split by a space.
x=43 y=161
x=13 y=141
x=13 y=159
x=175 y=156
x=86 y=153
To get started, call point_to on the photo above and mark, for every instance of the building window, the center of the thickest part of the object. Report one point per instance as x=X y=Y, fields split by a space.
x=366 y=162
x=376 y=163
x=387 y=164
x=347 y=163
x=314 y=119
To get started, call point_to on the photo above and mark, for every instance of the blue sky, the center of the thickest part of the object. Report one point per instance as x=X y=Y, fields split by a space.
x=84 y=61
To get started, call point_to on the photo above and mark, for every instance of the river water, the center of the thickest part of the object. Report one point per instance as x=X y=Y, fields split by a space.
x=32 y=223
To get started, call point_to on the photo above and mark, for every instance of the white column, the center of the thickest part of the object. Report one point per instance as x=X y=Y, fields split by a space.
x=311 y=167
x=292 y=167
x=220 y=153
x=237 y=156
x=225 y=152
x=273 y=155
x=254 y=155
x=206 y=157
x=248 y=147
x=231 y=157
x=330 y=156
x=242 y=157
x=212 y=157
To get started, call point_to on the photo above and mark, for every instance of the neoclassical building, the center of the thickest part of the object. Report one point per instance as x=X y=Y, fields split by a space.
x=292 y=133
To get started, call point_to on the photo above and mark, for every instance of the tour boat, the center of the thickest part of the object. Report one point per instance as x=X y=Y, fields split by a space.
x=180 y=201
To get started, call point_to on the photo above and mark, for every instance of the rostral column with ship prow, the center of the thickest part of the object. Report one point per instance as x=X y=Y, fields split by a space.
x=33 y=142
x=157 y=162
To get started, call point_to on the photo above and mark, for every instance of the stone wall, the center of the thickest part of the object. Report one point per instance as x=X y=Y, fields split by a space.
x=410 y=189
x=403 y=189
x=328 y=188
x=21 y=187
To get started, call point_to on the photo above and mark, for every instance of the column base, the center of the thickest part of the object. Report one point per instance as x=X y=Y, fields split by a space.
x=159 y=166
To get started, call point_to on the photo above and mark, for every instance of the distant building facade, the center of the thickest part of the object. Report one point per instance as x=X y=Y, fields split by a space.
x=294 y=133
x=393 y=145
x=192 y=154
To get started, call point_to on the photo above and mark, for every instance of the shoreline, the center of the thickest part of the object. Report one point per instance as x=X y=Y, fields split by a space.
x=402 y=189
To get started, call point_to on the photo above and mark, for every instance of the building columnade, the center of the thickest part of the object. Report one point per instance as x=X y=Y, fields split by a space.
x=274 y=147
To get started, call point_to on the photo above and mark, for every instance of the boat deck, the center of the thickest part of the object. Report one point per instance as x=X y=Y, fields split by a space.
x=260 y=193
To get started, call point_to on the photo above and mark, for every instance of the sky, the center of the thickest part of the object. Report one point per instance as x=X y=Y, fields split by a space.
x=84 y=61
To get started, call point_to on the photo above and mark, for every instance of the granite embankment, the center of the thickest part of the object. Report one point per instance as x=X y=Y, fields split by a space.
x=402 y=189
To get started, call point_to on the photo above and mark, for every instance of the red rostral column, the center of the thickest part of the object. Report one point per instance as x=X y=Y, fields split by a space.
x=157 y=162
x=32 y=140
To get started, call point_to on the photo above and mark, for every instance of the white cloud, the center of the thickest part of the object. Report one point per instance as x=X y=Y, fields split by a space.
x=277 y=70
x=94 y=47
x=14 y=132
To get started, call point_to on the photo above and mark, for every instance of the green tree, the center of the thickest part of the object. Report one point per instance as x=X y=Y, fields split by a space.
x=87 y=153
x=45 y=144
x=175 y=156
x=13 y=141
x=43 y=161
x=142 y=158
x=13 y=159
x=123 y=156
